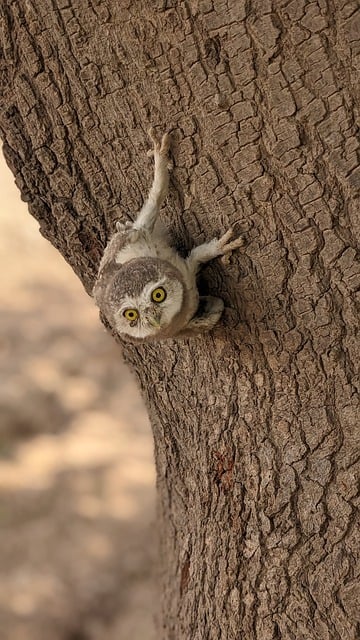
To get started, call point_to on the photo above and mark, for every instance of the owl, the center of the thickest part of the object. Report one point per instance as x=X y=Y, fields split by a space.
x=144 y=288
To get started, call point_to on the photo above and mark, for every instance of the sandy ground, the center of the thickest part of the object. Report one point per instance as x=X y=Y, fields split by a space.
x=76 y=465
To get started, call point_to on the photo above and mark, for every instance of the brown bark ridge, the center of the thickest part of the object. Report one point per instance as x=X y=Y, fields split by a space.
x=255 y=424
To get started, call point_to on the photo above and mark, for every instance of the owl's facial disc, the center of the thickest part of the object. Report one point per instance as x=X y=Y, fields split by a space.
x=151 y=309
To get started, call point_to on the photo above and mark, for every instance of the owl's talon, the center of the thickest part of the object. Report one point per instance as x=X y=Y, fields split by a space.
x=224 y=238
x=123 y=226
x=227 y=247
x=161 y=147
x=235 y=244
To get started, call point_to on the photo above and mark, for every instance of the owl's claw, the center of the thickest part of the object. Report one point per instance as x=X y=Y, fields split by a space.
x=161 y=147
x=227 y=247
x=123 y=227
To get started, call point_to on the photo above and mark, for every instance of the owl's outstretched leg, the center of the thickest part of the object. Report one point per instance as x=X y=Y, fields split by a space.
x=209 y=250
x=158 y=192
x=207 y=316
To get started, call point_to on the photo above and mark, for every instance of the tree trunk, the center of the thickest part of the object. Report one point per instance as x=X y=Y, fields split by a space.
x=255 y=423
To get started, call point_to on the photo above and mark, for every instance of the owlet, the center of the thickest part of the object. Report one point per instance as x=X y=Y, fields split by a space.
x=145 y=289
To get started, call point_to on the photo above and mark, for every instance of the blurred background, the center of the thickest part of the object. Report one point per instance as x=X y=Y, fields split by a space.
x=77 y=543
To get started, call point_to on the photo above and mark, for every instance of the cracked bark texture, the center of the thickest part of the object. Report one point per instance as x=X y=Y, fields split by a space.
x=255 y=424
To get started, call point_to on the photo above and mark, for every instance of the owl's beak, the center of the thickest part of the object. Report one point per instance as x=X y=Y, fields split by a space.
x=155 y=322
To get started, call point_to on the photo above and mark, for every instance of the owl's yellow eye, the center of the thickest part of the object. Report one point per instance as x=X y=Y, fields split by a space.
x=159 y=294
x=131 y=314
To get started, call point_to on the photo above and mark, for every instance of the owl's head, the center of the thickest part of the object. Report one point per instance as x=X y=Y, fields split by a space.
x=144 y=298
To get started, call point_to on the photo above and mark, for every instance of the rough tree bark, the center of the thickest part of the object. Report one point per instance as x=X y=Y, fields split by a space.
x=255 y=424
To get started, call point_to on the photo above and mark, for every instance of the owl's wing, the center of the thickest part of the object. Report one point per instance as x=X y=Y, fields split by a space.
x=108 y=265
